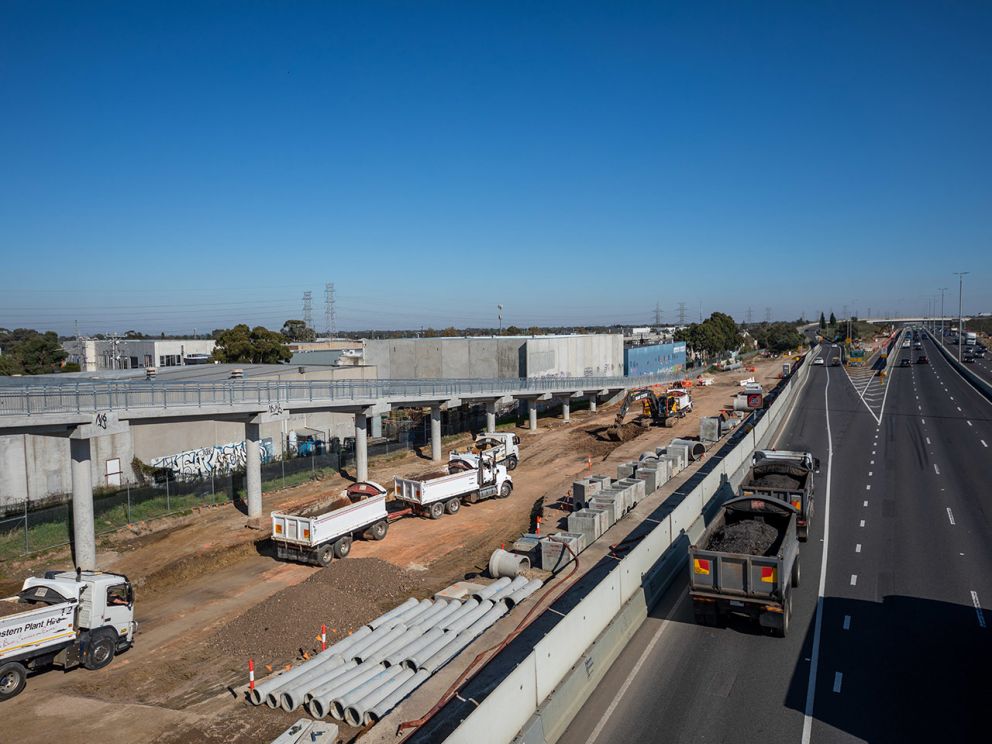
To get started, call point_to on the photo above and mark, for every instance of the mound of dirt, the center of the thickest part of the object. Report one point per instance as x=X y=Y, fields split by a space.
x=625 y=433
x=748 y=536
x=12 y=608
x=345 y=595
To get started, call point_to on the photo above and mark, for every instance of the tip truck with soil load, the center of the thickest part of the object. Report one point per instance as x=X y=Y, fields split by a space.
x=786 y=476
x=471 y=480
x=66 y=619
x=746 y=563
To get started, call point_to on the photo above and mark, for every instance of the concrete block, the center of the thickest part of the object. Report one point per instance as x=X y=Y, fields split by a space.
x=460 y=590
x=682 y=451
x=709 y=429
x=604 y=480
x=529 y=546
x=585 y=522
x=649 y=477
x=554 y=554
x=608 y=505
x=637 y=489
x=626 y=470
x=583 y=490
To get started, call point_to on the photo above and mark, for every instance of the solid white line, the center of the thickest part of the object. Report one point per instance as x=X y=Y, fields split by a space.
x=633 y=673
x=818 y=619
x=854 y=579
x=847 y=622
x=936 y=469
x=950 y=515
x=857 y=548
x=978 y=609
x=838 y=680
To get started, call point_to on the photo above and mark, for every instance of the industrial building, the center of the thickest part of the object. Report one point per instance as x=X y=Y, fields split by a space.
x=654 y=359
x=119 y=353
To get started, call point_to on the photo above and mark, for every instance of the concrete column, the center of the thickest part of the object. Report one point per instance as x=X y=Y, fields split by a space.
x=83 y=533
x=253 y=470
x=436 y=433
x=361 y=447
x=566 y=410
x=592 y=404
x=490 y=415
x=532 y=412
x=377 y=426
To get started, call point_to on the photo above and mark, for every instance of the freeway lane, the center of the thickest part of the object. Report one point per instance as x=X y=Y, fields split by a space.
x=900 y=644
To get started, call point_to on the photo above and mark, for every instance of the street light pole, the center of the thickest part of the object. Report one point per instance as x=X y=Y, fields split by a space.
x=960 y=275
x=942 y=290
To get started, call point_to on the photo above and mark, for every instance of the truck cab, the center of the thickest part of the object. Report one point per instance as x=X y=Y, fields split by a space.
x=504 y=447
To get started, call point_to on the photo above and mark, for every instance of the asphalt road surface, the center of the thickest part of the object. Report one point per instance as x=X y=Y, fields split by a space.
x=891 y=642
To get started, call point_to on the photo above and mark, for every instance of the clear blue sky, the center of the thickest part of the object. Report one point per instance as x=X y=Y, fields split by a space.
x=165 y=166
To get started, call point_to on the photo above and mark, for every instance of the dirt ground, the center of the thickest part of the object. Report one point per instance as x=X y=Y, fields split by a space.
x=210 y=594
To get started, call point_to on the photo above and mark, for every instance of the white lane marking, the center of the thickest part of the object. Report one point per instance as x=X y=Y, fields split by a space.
x=847 y=622
x=928 y=440
x=818 y=619
x=869 y=474
x=968 y=422
x=873 y=452
x=978 y=609
x=633 y=673
x=854 y=579
x=958 y=407
x=838 y=681
x=983 y=442
x=862 y=523
x=950 y=515
x=924 y=421
x=952 y=398
x=868 y=487
x=857 y=548
x=919 y=408
x=936 y=469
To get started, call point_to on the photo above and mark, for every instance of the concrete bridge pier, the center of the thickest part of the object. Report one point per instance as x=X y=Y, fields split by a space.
x=253 y=470
x=436 y=432
x=490 y=415
x=361 y=447
x=83 y=531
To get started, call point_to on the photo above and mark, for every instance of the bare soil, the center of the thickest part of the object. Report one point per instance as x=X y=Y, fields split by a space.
x=749 y=536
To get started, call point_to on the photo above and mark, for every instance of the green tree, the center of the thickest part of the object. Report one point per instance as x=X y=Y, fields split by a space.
x=297 y=330
x=25 y=351
x=833 y=318
x=512 y=331
x=257 y=345
x=450 y=332
x=823 y=322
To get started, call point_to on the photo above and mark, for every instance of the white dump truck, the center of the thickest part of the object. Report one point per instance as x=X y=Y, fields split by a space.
x=324 y=531
x=504 y=447
x=471 y=479
x=66 y=619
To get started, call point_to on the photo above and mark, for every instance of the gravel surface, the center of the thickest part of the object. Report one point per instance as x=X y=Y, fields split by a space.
x=748 y=536
x=345 y=595
x=777 y=481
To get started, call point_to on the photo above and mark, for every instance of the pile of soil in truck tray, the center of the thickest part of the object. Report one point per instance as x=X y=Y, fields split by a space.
x=324 y=506
x=12 y=608
x=778 y=481
x=748 y=536
x=344 y=595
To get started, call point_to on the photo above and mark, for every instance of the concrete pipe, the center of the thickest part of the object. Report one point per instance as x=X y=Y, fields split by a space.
x=518 y=583
x=321 y=699
x=459 y=613
x=370 y=639
x=442 y=617
x=408 y=616
x=412 y=602
x=407 y=638
x=400 y=654
x=487 y=591
x=293 y=695
x=503 y=563
x=262 y=689
x=355 y=694
x=345 y=643
x=416 y=661
x=467 y=619
x=521 y=594
x=696 y=449
x=463 y=639
x=357 y=714
x=354 y=671
x=387 y=704
x=438 y=609
x=394 y=632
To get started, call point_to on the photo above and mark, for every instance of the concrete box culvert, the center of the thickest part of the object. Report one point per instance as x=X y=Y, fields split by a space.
x=521 y=594
x=391 y=701
x=694 y=450
x=401 y=654
x=262 y=689
x=357 y=714
x=355 y=694
x=321 y=699
x=394 y=632
x=490 y=589
x=292 y=697
x=411 y=602
x=505 y=564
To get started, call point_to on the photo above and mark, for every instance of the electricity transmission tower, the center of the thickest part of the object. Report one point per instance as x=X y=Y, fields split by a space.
x=748 y=316
x=330 y=322
x=682 y=313
x=768 y=315
x=308 y=309
x=657 y=313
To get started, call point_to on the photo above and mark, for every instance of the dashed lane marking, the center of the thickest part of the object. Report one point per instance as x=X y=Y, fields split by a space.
x=847 y=622
x=854 y=579
x=839 y=680
x=857 y=548
x=936 y=469
x=862 y=523
x=978 y=609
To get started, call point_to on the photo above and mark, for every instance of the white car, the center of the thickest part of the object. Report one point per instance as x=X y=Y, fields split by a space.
x=833 y=346
x=818 y=362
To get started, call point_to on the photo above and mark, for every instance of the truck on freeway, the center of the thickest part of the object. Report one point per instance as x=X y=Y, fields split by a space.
x=746 y=563
x=970 y=338
x=324 y=531
x=787 y=476
x=434 y=494
x=503 y=446
x=65 y=619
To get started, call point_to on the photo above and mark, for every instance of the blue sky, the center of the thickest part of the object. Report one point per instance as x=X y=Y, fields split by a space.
x=165 y=166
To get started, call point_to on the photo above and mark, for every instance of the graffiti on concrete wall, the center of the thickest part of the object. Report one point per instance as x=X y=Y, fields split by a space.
x=221 y=458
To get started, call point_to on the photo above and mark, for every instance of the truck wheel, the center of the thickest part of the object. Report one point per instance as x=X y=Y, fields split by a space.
x=436 y=510
x=377 y=531
x=511 y=463
x=795 y=573
x=342 y=547
x=453 y=505
x=100 y=651
x=786 y=616
x=505 y=489
x=324 y=555
x=13 y=679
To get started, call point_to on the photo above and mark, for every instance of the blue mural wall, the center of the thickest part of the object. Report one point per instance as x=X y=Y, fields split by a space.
x=655 y=359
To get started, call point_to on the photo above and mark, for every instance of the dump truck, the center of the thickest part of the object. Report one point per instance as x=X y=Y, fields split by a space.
x=434 y=494
x=746 y=563
x=65 y=619
x=787 y=476
x=321 y=532
x=504 y=447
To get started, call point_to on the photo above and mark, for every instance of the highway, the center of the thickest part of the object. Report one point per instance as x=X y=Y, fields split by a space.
x=895 y=649
x=982 y=366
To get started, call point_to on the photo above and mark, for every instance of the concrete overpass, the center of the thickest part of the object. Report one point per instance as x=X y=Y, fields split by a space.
x=87 y=409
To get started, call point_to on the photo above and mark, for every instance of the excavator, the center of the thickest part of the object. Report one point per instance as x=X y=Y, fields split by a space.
x=663 y=408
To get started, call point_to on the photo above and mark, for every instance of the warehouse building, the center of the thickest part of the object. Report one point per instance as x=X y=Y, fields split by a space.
x=668 y=359
x=118 y=353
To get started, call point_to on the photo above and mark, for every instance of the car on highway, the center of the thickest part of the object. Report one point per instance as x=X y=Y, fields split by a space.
x=923 y=359
x=818 y=362
x=918 y=345
x=905 y=363
x=969 y=359
x=835 y=362
x=905 y=344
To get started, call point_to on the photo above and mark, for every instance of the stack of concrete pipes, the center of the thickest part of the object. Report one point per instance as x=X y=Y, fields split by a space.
x=363 y=677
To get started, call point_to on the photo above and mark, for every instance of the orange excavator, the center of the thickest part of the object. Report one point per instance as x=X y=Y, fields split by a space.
x=662 y=408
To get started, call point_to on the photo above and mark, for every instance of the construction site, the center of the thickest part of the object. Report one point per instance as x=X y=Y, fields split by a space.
x=225 y=606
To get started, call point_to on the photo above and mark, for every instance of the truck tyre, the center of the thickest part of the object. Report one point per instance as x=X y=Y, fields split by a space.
x=13 y=679
x=101 y=650
x=436 y=510
x=511 y=462
x=505 y=489
x=377 y=531
x=795 y=573
x=786 y=616
x=342 y=546
x=324 y=555
x=453 y=505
